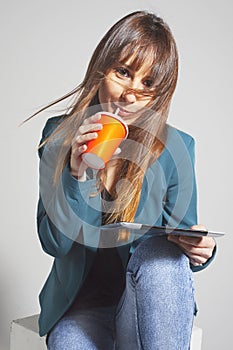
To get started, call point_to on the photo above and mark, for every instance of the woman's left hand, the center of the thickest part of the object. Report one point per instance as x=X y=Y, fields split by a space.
x=198 y=249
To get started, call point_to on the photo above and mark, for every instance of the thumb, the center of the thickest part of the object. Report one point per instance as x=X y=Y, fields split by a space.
x=198 y=227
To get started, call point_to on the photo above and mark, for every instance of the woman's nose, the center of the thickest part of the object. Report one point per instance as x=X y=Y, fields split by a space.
x=129 y=96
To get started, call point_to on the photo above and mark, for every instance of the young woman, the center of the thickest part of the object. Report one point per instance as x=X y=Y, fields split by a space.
x=132 y=293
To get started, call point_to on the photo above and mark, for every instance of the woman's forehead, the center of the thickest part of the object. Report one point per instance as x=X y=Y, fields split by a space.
x=142 y=65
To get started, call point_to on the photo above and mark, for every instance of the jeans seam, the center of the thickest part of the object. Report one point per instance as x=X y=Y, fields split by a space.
x=118 y=310
x=136 y=319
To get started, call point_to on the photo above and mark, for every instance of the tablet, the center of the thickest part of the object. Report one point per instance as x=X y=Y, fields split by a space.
x=140 y=229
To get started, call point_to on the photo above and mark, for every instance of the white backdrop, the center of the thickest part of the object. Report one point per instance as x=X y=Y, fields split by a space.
x=45 y=47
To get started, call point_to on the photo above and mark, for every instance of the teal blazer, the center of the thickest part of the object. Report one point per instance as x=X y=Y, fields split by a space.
x=69 y=216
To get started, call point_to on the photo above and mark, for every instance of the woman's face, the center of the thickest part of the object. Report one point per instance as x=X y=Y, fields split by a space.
x=126 y=89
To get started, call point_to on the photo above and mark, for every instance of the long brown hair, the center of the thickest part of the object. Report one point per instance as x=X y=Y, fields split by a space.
x=143 y=36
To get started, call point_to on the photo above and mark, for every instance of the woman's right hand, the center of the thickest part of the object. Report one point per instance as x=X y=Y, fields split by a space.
x=86 y=132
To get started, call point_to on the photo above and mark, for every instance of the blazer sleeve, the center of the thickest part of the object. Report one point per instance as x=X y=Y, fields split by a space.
x=180 y=204
x=67 y=209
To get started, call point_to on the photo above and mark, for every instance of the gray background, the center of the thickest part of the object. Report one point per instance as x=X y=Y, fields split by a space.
x=45 y=47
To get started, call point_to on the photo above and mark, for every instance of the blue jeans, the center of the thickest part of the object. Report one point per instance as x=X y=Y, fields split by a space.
x=155 y=312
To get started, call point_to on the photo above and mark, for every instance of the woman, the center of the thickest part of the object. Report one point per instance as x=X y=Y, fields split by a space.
x=133 y=293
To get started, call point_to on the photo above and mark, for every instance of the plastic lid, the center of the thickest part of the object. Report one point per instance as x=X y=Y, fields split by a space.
x=93 y=161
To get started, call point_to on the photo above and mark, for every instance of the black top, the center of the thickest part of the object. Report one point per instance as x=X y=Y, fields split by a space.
x=105 y=281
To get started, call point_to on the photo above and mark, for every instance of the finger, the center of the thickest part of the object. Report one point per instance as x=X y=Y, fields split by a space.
x=195 y=263
x=197 y=257
x=197 y=249
x=77 y=151
x=81 y=139
x=82 y=149
x=173 y=238
x=191 y=250
x=93 y=119
x=201 y=242
x=194 y=241
x=185 y=241
x=202 y=253
x=86 y=128
x=199 y=227
x=197 y=260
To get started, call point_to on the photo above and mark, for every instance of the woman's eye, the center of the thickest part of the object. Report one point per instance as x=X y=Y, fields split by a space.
x=123 y=72
x=148 y=83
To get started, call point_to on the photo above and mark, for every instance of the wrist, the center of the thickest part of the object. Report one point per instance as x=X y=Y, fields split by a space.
x=81 y=178
x=79 y=173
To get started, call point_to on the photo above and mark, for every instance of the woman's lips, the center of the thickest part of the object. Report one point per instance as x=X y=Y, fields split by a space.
x=122 y=111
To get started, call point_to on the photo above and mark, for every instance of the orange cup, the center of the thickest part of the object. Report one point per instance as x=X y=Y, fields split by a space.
x=100 y=150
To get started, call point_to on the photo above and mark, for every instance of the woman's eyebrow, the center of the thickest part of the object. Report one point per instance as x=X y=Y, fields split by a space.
x=126 y=65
